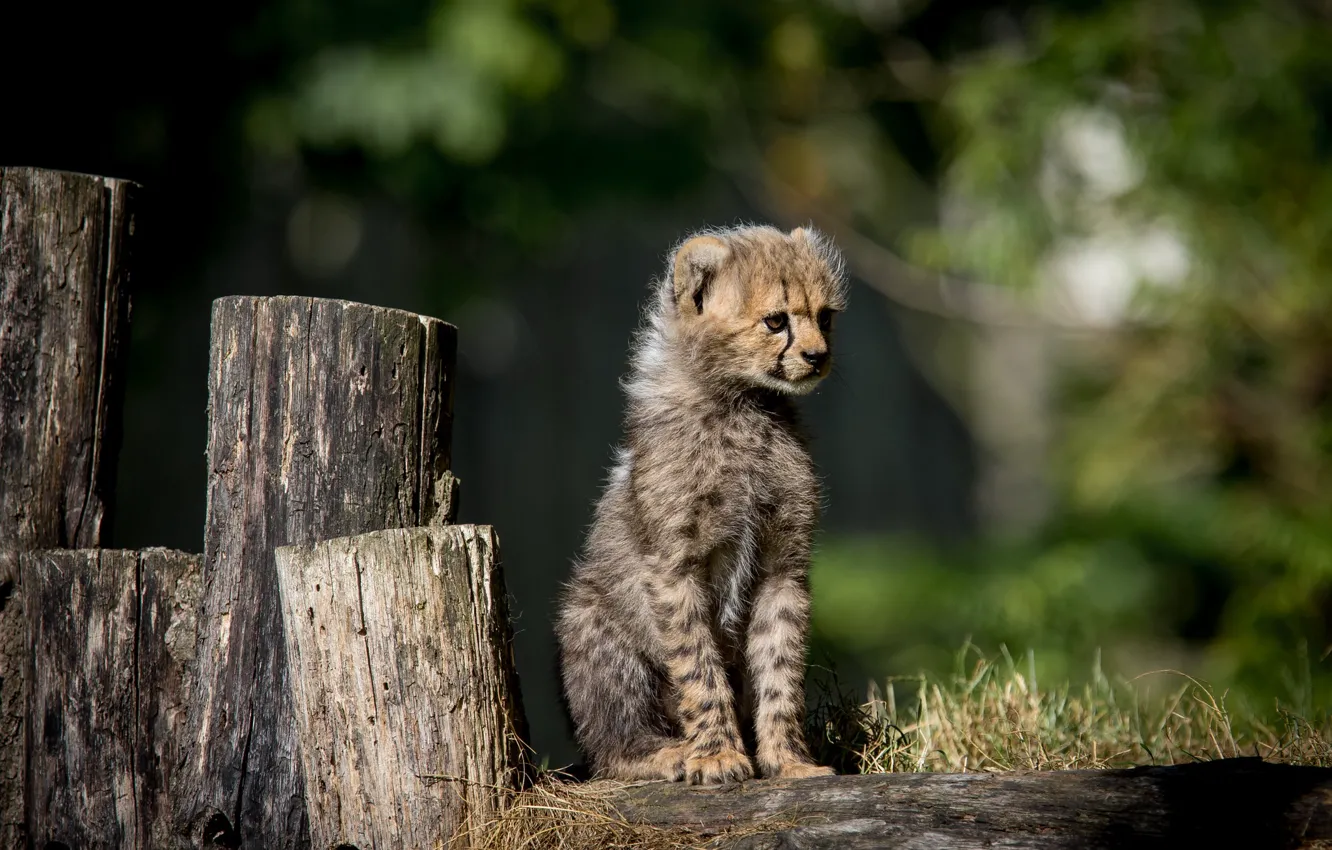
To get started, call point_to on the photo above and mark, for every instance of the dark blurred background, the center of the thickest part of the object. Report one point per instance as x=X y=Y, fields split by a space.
x=1081 y=396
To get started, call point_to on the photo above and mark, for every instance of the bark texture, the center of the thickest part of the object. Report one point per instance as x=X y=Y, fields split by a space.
x=1227 y=803
x=65 y=267
x=112 y=637
x=326 y=419
x=405 y=688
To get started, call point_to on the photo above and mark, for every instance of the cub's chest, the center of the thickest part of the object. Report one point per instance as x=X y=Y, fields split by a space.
x=756 y=467
x=767 y=448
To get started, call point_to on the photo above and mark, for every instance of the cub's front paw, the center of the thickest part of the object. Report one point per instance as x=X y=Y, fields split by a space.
x=726 y=765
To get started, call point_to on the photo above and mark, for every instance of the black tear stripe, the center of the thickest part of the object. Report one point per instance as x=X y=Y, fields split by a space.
x=790 y=331
x=790 y=340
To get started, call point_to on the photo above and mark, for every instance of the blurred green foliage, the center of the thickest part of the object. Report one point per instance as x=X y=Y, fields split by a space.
x=521 y=114
x=1175 y=151
x=891 y=605
x=1195 y=451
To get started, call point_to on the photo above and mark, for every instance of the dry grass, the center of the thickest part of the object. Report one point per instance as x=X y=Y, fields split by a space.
x=559 y=813
x=995 y=719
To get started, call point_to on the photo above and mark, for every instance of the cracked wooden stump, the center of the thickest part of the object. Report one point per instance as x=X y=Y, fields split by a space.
x=65 y=266
x=401 y=663
x=326 y=418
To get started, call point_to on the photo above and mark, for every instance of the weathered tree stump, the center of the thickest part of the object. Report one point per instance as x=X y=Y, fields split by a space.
x=64 y=324
x=401 y=663
x=112 y=636
x=1227 y=803
x=326 y=419
x=64 y=320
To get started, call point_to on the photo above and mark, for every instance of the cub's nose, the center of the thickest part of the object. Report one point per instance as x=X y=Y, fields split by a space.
x=815 y=358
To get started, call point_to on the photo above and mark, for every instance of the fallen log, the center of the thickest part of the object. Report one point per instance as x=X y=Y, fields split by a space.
x=1240 y=802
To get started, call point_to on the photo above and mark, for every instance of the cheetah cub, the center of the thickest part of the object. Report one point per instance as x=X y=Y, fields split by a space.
x=689 y=606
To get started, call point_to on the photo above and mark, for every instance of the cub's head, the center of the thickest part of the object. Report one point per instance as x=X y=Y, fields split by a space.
x=754 y=306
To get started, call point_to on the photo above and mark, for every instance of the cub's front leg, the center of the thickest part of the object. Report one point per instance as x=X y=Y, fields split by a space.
x=775 y=644
x=714 y=750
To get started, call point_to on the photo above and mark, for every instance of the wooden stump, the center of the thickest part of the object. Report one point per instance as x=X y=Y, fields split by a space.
x=112 y=637
x=13 y=701
x=406 y=692
x=1226 y=803
x=326 y=419
x=64 y=320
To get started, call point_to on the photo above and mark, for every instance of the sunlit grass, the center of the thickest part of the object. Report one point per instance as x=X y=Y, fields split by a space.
x=994 y=716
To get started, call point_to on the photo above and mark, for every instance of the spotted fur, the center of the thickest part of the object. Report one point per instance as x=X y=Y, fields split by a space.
x=689 y=605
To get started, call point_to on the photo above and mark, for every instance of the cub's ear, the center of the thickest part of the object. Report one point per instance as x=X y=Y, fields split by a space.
x=696 y=265
x=807 y=234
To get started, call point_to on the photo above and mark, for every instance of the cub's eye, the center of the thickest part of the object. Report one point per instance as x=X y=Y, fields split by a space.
x=825 y=319
x=776 y=322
